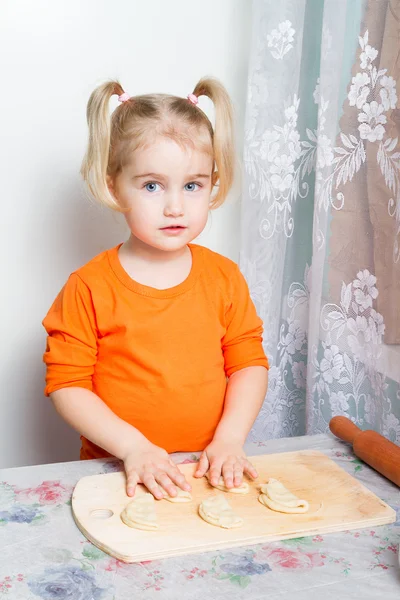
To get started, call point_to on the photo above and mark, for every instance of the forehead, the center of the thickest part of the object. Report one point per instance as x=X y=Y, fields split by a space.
x=163 y=155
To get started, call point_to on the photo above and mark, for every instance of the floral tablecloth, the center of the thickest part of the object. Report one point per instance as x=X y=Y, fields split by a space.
x=43 y=554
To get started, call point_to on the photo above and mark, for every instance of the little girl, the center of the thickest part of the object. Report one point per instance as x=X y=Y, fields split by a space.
x=155 y=346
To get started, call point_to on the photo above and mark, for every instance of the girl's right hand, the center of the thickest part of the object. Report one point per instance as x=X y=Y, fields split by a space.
x=152 y=466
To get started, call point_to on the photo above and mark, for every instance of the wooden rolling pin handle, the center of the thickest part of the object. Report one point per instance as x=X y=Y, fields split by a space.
x=374 y=449
x=344 y=429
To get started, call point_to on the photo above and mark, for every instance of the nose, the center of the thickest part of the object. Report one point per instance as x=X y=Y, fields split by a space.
x=174 y=205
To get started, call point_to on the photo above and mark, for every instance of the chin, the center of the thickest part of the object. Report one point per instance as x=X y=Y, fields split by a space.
x=173 y=245
x=168 y=245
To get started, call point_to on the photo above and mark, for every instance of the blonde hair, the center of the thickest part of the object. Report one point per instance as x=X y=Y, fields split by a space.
x=113 y=138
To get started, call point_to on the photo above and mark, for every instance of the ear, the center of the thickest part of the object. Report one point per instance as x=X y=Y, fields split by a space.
x=214 y=178
x=110 y=185
x=112 y=188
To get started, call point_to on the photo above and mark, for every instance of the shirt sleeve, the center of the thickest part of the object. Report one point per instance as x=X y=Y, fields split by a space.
x=242 y=342
x=71 y=349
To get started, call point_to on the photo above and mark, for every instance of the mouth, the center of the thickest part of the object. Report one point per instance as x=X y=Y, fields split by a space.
x=173 y=228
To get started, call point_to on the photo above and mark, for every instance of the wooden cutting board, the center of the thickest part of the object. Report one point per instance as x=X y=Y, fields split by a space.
x=337 y=502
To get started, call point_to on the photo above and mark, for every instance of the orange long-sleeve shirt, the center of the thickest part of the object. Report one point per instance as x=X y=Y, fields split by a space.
x=159 y=359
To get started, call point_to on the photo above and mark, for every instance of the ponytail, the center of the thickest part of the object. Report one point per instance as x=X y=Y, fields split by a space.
x=223 y=140
x=95 y=163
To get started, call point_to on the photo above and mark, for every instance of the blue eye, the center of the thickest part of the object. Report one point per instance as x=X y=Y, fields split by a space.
x=152 y=185
x=191 y=183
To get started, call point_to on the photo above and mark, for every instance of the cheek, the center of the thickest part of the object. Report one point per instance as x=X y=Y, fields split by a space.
x=199 y=212
x=141 y=215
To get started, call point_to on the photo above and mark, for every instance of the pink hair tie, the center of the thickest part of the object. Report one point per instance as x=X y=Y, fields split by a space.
x=193 y=99
x=123 y=97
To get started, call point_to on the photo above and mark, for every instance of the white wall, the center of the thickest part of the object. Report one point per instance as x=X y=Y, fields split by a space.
x=53 y=53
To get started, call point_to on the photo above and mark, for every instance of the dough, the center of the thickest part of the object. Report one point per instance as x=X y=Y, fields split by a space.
x=242 y=489
x=216 y=510
x=141 y=513
x=182 y=496
x=275 y=496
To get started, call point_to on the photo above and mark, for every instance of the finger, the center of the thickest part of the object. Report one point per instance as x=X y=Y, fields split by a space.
x=249 y=469
x=178 y=478
x=227 y=473
x=215 y=472
x=165 y=482
x=152 y=486
x=132 y=480
x=203 y=465
x=238 y=475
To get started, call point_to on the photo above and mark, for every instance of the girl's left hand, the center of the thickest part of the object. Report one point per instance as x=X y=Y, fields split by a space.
x=226 y=459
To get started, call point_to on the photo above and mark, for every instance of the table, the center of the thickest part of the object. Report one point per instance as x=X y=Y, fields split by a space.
x=43 y=554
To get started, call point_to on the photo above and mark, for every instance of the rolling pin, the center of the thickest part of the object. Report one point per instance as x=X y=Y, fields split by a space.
x=374 y=449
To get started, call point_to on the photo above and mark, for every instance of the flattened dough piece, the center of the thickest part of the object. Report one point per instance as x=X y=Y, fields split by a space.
x=182 y=496
x=242 y=489
x=217 y=511
x=141 y=513
x=276 y=497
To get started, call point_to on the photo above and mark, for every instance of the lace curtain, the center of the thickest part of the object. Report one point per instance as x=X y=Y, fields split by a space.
x=321 y=211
